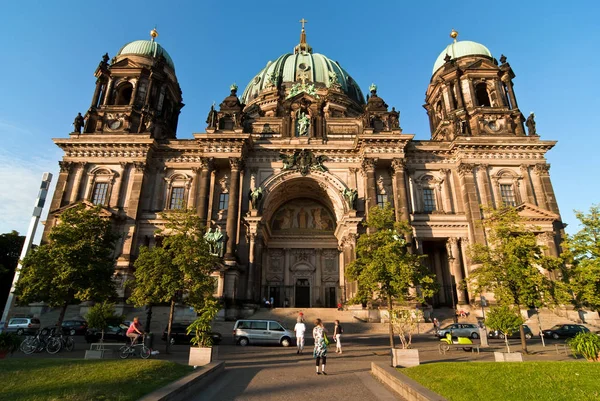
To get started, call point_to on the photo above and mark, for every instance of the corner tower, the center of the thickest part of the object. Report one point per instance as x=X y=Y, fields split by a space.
x=470 y=94
x=137 y=93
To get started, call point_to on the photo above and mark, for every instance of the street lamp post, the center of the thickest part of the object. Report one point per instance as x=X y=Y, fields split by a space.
x=35 y=218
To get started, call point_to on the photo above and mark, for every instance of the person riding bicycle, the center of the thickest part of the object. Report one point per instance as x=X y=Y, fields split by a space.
x=135 y=330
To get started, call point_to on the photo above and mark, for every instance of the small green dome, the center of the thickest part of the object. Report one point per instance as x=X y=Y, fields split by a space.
x=460 y=49
x=146 y=48
x=288 y=66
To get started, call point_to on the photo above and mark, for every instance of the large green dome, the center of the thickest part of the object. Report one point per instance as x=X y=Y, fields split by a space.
x=460 y=49
x=288 y=66
x=146 y=48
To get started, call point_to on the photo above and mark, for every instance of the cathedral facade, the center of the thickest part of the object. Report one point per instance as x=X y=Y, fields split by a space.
x=287 y=171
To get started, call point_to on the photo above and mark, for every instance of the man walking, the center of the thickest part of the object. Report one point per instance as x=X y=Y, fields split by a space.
x=300 y=328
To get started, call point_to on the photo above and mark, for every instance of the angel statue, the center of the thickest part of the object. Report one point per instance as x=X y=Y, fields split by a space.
x=255 y=196
x=288 y=160
x=350 y=196
x=210 y=240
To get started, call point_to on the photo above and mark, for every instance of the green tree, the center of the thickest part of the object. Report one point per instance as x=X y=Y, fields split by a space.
x=510 y=263
x=102 y=315
x=77 y=263
x=179 y=269
x=385 y=269
x=581 y=254
x=10 y=249
x=505 y=319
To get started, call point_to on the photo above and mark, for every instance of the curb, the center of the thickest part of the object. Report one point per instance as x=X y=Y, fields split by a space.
x=403 y=385
x=185 y=387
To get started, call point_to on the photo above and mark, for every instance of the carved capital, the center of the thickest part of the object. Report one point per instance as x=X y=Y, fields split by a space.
x=541 y=168
x=368 y=165
x=140 y=167
x=207 y=163
x=196 y=170
x=445 y=171
x=465 y=168
x=236 y=163
x=547 y=236
x=123 y=165
x=524 y=168
x=398 y=165
x=65 y=167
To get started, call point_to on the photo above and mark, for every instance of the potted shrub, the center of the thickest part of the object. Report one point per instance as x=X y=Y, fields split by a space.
x=506 y=320
x=202 y=351
x=587 y=345
x=404 y=322
x=9 y=342
x=100 y=316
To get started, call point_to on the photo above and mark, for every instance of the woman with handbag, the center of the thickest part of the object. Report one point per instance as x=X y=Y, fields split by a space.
x=321 y=343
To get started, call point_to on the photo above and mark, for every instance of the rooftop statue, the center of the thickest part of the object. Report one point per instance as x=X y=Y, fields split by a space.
x=78 y=123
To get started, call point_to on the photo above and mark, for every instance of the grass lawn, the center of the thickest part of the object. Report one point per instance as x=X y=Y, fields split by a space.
x=76 y=379
x=510 y=381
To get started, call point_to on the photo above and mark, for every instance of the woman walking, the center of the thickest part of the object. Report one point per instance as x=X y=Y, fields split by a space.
x=337 y=334
x=320 y=351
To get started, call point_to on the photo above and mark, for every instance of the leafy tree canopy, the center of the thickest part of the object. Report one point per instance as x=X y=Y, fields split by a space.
x=77 y=264
x=180 y=267
x=512 y=264
x=581 y=254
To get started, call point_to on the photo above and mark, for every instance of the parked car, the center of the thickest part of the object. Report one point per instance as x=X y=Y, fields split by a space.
x=516 y=333
x=261 y=332
x=23 y=325
x=179 y=334
x=565 y=331
x=459 y=330
x=111 y=334
x=73 y=327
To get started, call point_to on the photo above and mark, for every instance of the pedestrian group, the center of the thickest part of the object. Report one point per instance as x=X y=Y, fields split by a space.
x=321 y=340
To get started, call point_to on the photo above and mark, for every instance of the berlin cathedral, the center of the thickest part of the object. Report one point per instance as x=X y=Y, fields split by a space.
x=288 y=169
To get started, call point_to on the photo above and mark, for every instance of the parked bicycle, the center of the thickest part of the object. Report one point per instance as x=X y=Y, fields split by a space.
x=58 y=341
x=35 y=343
x=132 y=348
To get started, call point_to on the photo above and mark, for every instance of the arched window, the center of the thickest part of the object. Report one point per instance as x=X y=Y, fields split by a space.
x=430 y=194
x=124 y=92
x=100 y=182
x=482 y=95
x=506 y=188
x=177 y=191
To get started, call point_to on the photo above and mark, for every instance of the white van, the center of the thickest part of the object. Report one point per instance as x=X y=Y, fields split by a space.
x=249 y=331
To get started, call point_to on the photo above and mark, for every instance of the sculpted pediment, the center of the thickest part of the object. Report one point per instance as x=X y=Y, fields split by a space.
x=104 y=212
x=530 y=212
x=125 y=63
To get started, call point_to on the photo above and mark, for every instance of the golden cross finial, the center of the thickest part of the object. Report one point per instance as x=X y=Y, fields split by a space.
x=303 y=21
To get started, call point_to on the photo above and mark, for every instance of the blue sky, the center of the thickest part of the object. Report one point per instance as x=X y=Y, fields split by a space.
x=51 y=49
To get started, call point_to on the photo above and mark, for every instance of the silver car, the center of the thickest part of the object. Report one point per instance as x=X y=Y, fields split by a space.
x=459 y=330
x=249 y=331
x=23 y=325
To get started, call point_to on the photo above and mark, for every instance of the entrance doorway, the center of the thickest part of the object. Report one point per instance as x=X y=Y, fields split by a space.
x=274 y=294
x=302 y=293
x=330 y=298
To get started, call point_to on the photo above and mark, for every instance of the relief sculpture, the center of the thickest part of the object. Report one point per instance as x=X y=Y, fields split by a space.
x=303 y=214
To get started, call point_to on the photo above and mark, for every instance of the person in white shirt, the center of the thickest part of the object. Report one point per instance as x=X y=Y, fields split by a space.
x=300 y=328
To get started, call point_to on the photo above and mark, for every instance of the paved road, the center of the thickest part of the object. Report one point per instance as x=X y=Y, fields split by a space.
x=276 y=373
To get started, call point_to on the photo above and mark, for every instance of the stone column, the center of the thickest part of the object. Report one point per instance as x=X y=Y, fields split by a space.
x=286 y=268
x=445 y=172
x=251 y=266
x=204 y=183
x=79 y=177
x=399 y=190
x=61 y=184
x=456 y=268
x=232 y=208
x=319 y=276
x=133 y=206
x=511 y=94
x=529 y=197
x=496 y=189
x=96 y=92
x=348 y=244
x=134 y=92
x=108 y=90
x=437 y=264
x=541 y=171
x=538 y=186
x=194 y=190
x=469 y=195
x=258 y=268
x=458 y=90
x=368 y=170
x=483 y=181
x=114 y=202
